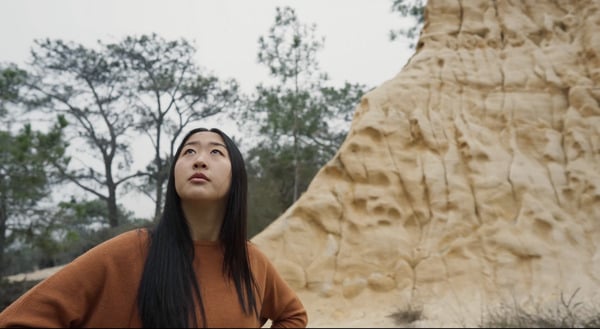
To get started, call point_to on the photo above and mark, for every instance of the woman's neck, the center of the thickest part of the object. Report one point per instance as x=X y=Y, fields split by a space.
x=204 y=220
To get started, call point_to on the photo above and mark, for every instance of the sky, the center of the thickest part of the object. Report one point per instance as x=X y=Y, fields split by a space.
x=225 y=33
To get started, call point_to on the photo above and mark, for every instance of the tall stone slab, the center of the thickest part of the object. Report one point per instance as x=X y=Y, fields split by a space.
x=470 y=178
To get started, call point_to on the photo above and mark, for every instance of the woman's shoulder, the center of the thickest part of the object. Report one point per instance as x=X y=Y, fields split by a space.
x=127 y=239
x=257 y=255
x=127 y=244
x=253 y=248
x=124 y=251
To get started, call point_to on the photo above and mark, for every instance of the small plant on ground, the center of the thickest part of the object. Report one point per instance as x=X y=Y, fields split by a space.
x=408 y=314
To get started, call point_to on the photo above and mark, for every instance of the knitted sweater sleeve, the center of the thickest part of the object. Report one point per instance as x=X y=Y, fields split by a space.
x=280 y=302
x=72 y=297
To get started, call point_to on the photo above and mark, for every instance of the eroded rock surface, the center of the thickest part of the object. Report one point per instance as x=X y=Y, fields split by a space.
x=470 y=178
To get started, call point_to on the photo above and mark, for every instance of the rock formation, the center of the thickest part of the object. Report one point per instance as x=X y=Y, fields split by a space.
x=470 y=178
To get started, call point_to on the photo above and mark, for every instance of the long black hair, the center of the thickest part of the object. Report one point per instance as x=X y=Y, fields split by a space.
x=168 y=288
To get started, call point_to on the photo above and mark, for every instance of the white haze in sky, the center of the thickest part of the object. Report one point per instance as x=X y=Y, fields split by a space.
x=225 y=33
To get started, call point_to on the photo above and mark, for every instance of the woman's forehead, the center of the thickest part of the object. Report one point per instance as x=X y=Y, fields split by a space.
x=205 y=137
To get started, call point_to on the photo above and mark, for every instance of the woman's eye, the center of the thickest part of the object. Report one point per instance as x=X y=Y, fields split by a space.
x=216 y=151
x=189 y=151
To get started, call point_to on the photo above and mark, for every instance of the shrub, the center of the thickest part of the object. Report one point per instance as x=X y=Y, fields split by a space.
x=10 y=291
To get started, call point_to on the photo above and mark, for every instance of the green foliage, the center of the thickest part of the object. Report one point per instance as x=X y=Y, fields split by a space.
x=271 y=191
x=413 y=9
x=290 y=48
x=69 y=231
x=10 y=291
x=11 y=81
x=27 y=168
x=301 y=121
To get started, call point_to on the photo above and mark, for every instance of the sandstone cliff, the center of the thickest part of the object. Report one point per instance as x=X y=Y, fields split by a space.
x=470 y=178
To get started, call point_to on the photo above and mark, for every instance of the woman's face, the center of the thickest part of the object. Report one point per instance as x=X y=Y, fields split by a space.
x=203 y=169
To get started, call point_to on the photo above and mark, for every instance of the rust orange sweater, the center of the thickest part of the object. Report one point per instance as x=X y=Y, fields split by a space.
x=99 y=289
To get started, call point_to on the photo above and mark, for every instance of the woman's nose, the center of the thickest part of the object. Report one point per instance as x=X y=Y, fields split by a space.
x=199 y=163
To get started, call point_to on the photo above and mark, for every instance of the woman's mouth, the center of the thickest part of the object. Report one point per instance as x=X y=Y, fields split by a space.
x=198 y=177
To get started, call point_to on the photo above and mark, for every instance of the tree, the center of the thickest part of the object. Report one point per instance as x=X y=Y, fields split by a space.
x=289 y=51
x=301 y=120
x=87 y=86
x=142 y=84
x=26 y=170
x=409 y=8
x=168 y=92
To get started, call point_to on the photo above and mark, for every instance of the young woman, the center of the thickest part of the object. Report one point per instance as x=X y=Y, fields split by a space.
x=196 y=268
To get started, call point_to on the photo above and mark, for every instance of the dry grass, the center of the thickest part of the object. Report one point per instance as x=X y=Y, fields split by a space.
x=566 y=314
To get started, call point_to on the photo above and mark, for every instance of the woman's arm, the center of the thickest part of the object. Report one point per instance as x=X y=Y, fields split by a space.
x=60 y=300
x=85 y=291
x=280 y=302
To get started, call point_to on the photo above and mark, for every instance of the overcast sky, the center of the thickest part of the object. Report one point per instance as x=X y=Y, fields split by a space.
x=225 y=32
